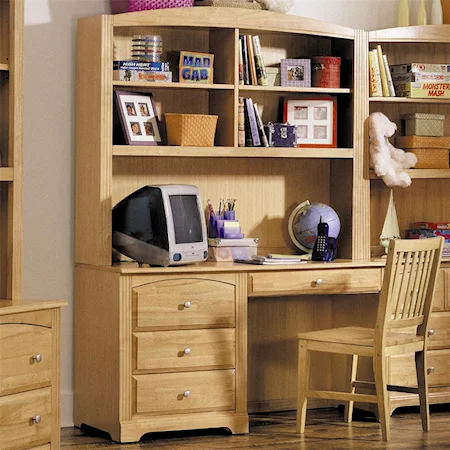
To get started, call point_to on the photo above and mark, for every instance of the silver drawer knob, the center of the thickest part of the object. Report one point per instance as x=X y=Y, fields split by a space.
x=36 y=419
x=430 y=370
x=431 y=333
x=187 y=304
x=37 y=358
x=319 y=281
x=187 y=351
x=187 y=393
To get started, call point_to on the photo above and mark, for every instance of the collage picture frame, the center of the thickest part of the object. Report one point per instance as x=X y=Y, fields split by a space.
x=138 y=118
x=315 y=120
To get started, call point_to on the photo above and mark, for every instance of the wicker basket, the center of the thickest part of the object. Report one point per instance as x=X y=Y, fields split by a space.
x=431 y=158
x=422 y=142
x=124 y=6
x=196 y=130
x=247 y=4
x=423 y=124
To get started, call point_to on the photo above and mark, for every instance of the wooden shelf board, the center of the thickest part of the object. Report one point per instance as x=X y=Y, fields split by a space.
x=419 y=33
x=173 y=85
x=420 y=173
x=4 y=67
x=6 y=174
x=408 y=100
x=231 y=152
x=309 y=90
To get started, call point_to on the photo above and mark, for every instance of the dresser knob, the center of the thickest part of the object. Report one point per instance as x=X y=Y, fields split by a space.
x=319 y=281
x=36 y=419
x=187 y=393
x=431 y=333
x=187 y=304
x=430 y=370
x=37 y=358
x=187 y=351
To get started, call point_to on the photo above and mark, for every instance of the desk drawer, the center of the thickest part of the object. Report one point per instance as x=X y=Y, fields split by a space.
x=184 y=303
x=440 y=324
x=17 y=430
x=323 y=281
x=184 y=392
x=185 y=349
x=25 y=357
x=403 y=369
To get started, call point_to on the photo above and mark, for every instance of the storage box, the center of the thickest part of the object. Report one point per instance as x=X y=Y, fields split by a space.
x=431 y=158
x=226 y=250
x=422 y=124
x=273 y=76
x=196 y=130
x=326 y=71
x=422 y=142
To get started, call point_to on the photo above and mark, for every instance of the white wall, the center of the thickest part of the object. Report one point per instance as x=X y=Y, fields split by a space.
x=49 y=142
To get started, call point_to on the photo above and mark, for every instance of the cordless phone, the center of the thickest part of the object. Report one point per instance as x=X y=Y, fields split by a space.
x=320 y=251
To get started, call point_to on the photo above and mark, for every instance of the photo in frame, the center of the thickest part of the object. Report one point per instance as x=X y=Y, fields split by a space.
x=315 y=120
x=138 y=118
x=295 y=72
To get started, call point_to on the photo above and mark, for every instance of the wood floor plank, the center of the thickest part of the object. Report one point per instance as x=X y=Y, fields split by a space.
x=325 y=429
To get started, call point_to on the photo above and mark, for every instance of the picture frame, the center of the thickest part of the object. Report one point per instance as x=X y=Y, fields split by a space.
x=295 y=72
x=315 y=119
x=138 y=117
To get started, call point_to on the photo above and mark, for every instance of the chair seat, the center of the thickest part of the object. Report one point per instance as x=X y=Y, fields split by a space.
x=364 y=337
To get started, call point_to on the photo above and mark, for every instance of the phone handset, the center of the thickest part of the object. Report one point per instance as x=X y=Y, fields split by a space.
x=320 y=251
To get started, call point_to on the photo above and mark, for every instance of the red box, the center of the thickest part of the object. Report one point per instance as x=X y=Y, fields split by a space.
x=430 y=225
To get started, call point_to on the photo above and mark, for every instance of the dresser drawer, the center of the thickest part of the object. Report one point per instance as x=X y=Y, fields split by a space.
x=184 y=303
x=25 y=357
x=323 y=281
x=439 y=293
x=440 y=324
x=403 y=369
x=185 y=349
x=17 y=428
x=184 y=392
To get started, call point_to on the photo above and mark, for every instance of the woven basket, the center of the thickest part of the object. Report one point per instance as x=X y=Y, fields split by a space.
x=124 y=6
x=422 y=124
x=422 y=142
x=431 y=158
x=247 y=4
x=196 y=130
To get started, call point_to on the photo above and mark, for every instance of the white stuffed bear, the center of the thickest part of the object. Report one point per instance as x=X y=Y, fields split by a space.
x=282 y=6
x=385 y=159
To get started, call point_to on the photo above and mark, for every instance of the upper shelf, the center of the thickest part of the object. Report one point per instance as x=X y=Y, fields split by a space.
x=4 y=67
x=419 y=173
x=408 y=100
x=6 y=174
x=231 y=152
x=422 y=33
x=210 y=17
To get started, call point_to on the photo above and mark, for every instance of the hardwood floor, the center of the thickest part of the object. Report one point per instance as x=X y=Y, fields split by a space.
x=325 y=429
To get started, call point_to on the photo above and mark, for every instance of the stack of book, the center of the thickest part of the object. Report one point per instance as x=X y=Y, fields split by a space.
x=133 y=70
x=251 y=65
x=420 y=80
x=250 y=126
x=423 y=230
x=381 y=84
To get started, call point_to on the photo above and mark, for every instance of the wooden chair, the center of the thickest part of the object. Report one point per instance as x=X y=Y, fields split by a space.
x=401 y=327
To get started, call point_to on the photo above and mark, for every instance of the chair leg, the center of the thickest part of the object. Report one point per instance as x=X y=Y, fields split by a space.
x=303 y=384
x=379 y=369
x=422 y=382
x=348 y=412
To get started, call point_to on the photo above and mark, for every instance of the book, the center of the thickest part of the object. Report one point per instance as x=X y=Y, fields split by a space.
x=251 y=60
x=374 y=76
x=245 y=63
x=425 y=90
x=241 y=122
x=383 y=76
x=253 y=126
x=262 y=134
x=403 y=78
x=247 y=132
x=241 y=64
x=420 y=67
x=388 y=76
x=259 y=260
x=261 y=74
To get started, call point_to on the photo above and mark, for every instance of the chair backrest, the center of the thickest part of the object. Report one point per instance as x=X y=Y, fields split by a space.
x=409 y=283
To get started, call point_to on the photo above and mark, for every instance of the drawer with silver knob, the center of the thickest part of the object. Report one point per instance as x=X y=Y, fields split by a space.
x=183 y=303
x=184 y=349
x=25 y=357
x=319 y=282
x=184 y=392
x=439 y=333
x=25 y=419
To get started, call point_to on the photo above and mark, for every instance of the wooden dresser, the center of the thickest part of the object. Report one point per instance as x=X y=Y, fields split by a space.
x=29 y=375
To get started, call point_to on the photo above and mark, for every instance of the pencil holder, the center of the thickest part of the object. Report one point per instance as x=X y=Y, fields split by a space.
x=229 y=215
x=213 y=231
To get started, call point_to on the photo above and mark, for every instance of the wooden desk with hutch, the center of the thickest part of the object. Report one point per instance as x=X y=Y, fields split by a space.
x=160 y=349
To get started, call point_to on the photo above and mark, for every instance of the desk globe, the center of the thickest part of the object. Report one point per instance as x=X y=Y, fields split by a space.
x=303 y=223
